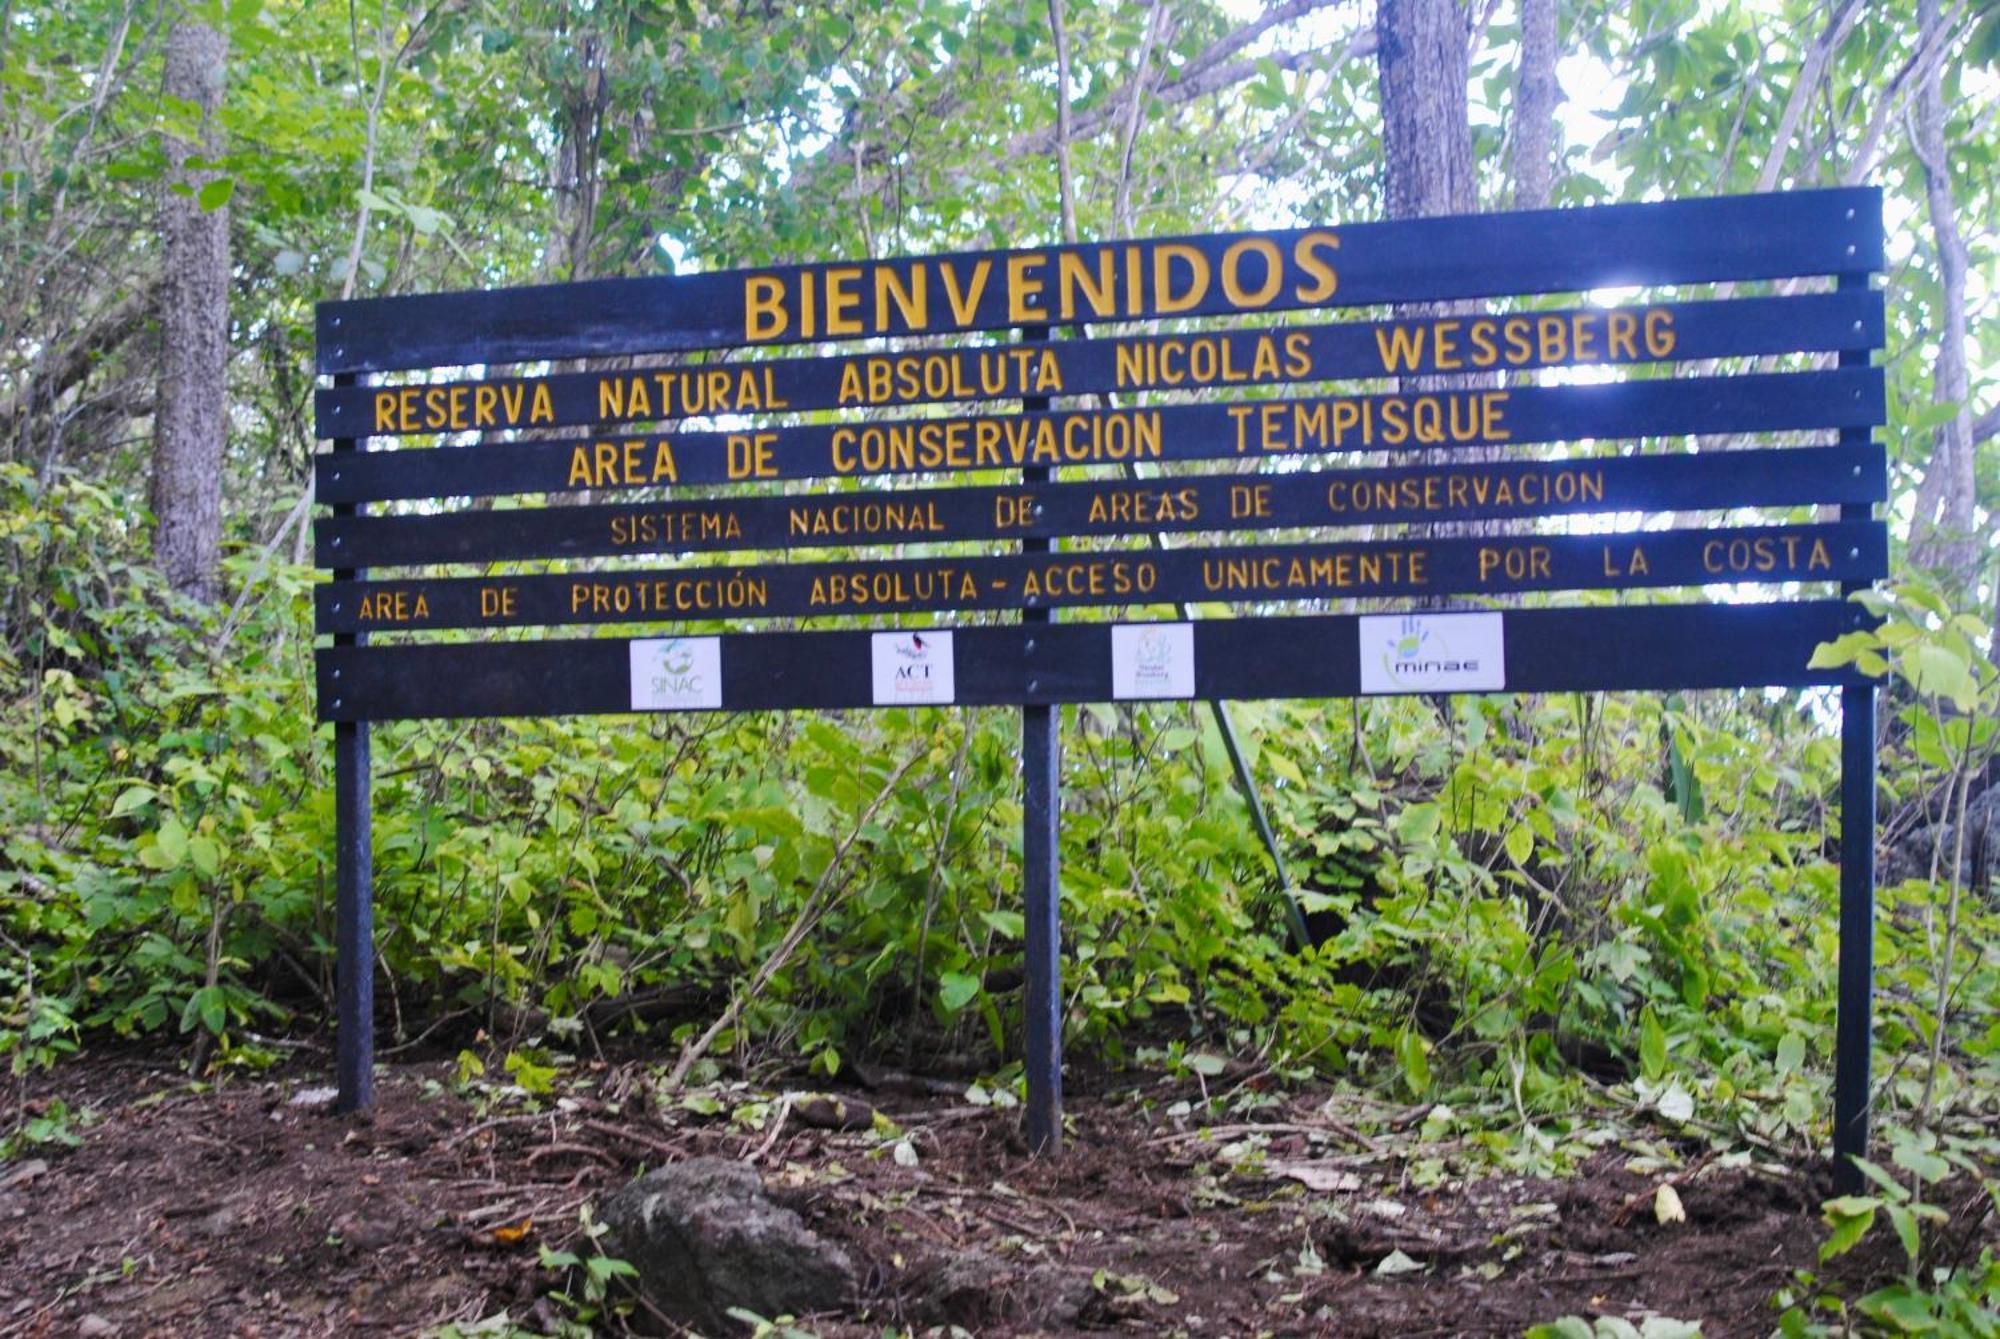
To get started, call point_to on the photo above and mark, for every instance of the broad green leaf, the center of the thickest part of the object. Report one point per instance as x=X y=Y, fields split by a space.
x=172 y=842
x=1850 y=1217
x=1908 y=1312
x=1791 y=1053
x=1009 y=924
x=1652 y=1045
x=216 y=193
x=1419 y=823
x=956 y=990
x=135 y=797
x=1919 y=1161
x=1416 y=1062
x=1905 y=1224
x=204 y=855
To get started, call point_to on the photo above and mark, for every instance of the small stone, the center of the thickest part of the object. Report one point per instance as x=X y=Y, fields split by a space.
x=95 y=1326
x=705 y=1238
x=314 y=1097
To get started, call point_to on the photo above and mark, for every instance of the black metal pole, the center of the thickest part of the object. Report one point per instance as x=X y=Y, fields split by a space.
x=1854 y=1023
x=1041 y=870
x=354 y=880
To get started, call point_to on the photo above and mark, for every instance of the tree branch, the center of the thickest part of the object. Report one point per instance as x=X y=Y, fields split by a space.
x=1811 y=71
x=1986 y=425
x=47 y=384
x=1209 y=72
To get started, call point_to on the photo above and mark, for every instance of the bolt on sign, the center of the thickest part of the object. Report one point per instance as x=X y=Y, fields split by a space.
x=1382 y=502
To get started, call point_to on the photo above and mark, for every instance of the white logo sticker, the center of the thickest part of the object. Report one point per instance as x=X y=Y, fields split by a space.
x=1152 y=660
x=676 y=673
x=912 y=668
x=1432 y=653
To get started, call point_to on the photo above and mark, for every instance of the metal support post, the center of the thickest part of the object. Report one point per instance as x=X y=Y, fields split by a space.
x=354 y=881
x=1854 y=1030
x=1041 y=873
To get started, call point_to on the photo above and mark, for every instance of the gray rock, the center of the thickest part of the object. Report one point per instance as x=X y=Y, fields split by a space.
x=705 y=1237
x=975 y=1289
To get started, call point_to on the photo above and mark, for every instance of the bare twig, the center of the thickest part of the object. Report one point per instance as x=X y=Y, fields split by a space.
x=802 y=925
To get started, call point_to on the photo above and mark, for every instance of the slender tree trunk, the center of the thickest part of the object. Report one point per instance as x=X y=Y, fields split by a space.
x=1423 y=64
x=566 y=259
x=1942 y=534
x=190 y=420
x=1422 y=59
x=1535 y=95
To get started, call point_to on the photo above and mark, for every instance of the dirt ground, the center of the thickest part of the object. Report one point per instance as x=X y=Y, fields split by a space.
x=244 y=1209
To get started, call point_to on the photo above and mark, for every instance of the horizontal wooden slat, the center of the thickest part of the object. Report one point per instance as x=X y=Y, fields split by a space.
x=1672 y=242
x=1351 y=497
x=1265 y=430
x=1845 y=551
x=1228 y=360
x=1660 y=648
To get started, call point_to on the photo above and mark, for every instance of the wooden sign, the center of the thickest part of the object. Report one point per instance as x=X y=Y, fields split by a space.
x=1243 y=459
x=1267 y=430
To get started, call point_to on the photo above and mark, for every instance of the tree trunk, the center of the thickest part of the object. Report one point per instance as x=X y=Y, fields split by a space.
x=189 y=423
x=1941 y=533
x=1535 y=95
x=579 y=144
x=1422 y=56
x=1422 y=62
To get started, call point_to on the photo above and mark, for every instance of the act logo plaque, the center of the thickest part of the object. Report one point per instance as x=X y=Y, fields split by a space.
x=912 y=669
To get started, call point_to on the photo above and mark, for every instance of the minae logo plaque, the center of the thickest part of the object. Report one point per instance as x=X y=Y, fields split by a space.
x=1433 y=653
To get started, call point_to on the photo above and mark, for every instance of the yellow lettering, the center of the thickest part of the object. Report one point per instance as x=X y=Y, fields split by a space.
x=764 y=315
x=1021 y=288
x=1165 y=300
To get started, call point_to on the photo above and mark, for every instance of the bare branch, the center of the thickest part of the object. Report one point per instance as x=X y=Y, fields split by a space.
x=1986 y=425
x=1066 y=182
x=1811 y=71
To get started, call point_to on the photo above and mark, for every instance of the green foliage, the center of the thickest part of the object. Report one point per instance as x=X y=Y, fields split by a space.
x=590 y=1276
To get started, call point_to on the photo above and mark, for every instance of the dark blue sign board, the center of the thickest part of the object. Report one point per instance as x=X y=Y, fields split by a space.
x=1320 y=461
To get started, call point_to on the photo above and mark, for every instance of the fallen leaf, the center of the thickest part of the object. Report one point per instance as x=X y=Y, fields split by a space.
x=1395 y=1262
x=1314 y=1175
x=1667 y=1205
x=516 y=1233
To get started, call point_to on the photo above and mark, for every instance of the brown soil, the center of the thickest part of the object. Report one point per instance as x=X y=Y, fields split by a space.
x=235 y=1211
